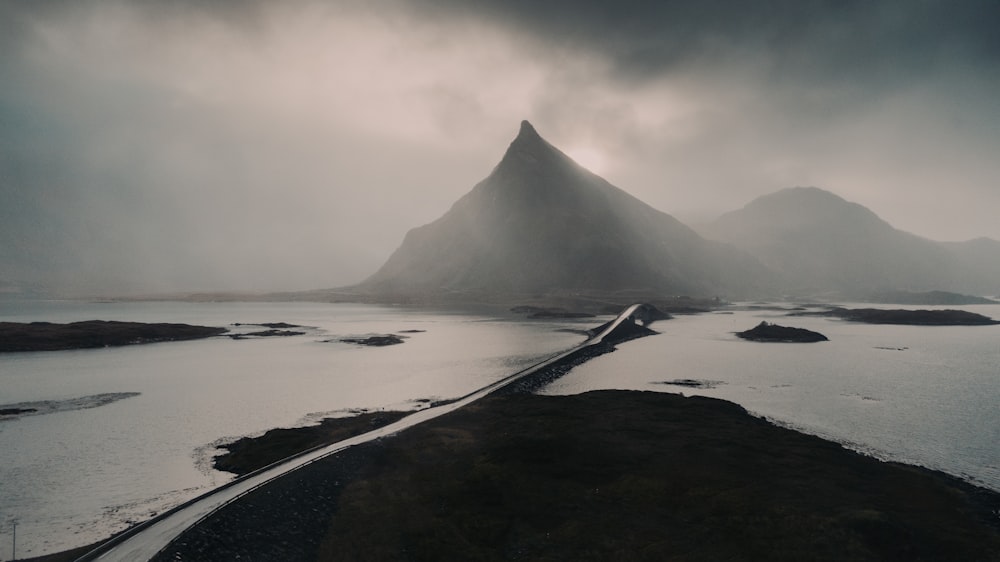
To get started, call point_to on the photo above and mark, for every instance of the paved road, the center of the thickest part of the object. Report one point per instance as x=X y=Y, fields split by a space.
x=144 y=541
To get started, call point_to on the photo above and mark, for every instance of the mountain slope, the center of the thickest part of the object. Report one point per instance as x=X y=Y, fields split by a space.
x=978 y=264
x=540 y=223
x=818 y=242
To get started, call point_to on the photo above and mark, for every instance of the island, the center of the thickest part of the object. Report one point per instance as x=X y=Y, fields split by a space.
x=375 y=341
x=47 y=336
x=928 y=298
x=766 y=332
x=940 y=317
x=270 y=333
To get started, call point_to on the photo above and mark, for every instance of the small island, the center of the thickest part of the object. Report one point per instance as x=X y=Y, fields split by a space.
x=47 y=336
x=944 y=317
x=375 y=341
x=766 y=332
x=266 y=334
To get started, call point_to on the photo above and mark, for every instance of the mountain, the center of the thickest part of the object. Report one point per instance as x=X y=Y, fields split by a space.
x=819 y=243
x=978 y=264
x=542 y=224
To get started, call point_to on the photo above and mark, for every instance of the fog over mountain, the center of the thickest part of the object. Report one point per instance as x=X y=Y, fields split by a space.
x=818 y=243
x=191 y=145
x=542 y=224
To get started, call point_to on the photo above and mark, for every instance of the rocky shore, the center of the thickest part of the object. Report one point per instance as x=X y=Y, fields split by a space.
x=603 y=475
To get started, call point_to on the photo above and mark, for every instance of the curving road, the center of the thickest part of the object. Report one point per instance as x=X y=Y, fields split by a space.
x=147 y=539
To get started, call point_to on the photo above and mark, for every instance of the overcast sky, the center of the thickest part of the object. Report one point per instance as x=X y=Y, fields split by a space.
x=161 y=145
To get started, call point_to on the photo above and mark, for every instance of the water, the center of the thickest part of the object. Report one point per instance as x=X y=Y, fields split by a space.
x=921 y=395
x=77 y=475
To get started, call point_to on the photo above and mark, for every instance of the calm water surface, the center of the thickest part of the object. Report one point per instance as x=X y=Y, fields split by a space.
x=922 y=395
x=74 y=477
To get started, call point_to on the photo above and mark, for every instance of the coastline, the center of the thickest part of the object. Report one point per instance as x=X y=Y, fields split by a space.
x=605 y=474
x=521 y=465
x=348 y=479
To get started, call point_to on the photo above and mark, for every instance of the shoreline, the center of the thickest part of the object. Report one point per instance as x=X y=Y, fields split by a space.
x=247 y=454
x=365 y=455
x=300 y=515
x=508 y=473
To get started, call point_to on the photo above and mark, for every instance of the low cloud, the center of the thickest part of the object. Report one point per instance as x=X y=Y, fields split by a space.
x=150 y=146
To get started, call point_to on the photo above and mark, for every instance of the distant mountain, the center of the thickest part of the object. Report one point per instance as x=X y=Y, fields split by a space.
x=542 y=224
x=978 y=264
x=819 y=243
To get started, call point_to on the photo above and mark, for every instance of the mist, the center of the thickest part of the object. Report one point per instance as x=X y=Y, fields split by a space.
x=153 y=147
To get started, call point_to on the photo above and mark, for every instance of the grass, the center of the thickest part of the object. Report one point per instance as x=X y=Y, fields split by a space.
x=645 y=476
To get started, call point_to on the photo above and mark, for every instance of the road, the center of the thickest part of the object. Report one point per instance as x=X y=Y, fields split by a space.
x=145 y=540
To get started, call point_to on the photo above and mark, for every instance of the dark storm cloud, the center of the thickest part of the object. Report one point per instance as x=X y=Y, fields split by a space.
x=153 y=145
x=891 y=103
x=821 y=39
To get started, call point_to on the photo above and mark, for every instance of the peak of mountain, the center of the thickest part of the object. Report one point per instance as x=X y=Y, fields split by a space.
x=527 y=131
x=804 y=207
x=540 y=223
x=819 y=242
x=529 y=144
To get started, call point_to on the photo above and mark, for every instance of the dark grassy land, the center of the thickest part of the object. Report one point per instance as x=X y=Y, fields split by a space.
x=765 y=332
x=46 y=336
x=610 y=475
x=247 y=454
x=645 y=476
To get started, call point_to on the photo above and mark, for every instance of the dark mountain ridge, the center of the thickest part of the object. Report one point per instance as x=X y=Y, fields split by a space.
x=542 y=224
